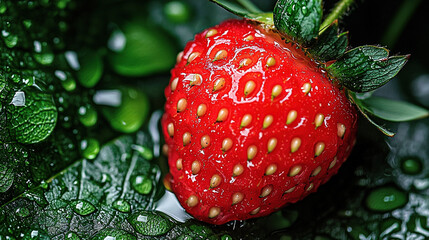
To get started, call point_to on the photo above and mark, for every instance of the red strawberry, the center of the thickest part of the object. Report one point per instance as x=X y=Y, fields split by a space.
x=251 y=124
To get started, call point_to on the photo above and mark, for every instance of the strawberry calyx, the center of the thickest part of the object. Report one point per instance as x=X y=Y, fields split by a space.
x=359 y=70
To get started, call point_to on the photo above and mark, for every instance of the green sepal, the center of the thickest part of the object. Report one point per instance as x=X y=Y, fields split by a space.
x=387 y=109
x=330 y=44
x=299 y=20
x=366 y=68
x=245 y=9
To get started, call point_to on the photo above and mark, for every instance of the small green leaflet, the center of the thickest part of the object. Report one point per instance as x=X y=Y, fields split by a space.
x=394 y=111
x=300 y=20
x=246 y=9
x=366 y=68
x=330 y=44
x=387 y=109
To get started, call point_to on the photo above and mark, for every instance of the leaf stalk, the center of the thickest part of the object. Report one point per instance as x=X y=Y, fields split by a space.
x=338 y=11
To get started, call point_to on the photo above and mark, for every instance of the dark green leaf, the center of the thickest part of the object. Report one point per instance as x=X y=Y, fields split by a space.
x=25 y=166
x=86 y=192
x=299 y=20
x=244 y=8
x=32 y=116
x=330 y=45
x=391 y=110
x=366 y=68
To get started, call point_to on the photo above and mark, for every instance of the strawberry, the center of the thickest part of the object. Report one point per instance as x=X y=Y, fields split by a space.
x=251 y=123
x=261 y=112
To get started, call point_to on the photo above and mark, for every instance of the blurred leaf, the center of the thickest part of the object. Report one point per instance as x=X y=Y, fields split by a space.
x=392 y=110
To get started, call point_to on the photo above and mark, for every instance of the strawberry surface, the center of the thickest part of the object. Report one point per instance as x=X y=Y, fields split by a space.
x=251 y=124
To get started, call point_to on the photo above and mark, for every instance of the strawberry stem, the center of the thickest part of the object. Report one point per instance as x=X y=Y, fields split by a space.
x=339 y=10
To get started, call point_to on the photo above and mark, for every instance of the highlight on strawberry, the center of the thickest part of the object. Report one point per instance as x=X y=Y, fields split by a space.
x=261 y=111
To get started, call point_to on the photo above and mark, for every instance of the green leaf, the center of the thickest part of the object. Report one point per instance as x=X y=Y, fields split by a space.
x=86 y=192
x=358 y=102
x=299 y=20
x=32 y=116
x=245 y=9
x=25 y=166
x=366 y=68
x=392 y=110
x=330 y=45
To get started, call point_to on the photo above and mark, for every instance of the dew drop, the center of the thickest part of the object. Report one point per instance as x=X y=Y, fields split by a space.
x=150 y=223
x=411 y=166
x=82 y=207
x=385 y=199
x=90 y=148
x=9 y=39
x=67 y=80
x=113 y=234
x=141 y=184
x=72 y=236
x=122 y=205
x=42 y=53
x=22 y=212
x=88 y=115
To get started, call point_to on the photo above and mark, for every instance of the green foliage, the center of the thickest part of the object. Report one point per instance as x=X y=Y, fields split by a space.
x=299 y=20
x=366 y=68
x=330 y=44
x=29 y=110
x=86 y=192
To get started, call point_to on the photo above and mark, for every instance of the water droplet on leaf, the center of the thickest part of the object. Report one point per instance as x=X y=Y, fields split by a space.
x=411 y=166
x=22 y=212
x=88 y=115
x=72 y=236
x=90 y=148
x=150 y=223
x=385 y=199
x=122 y=205
x=113 y=234
x=82 y=207
x=142 y=184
